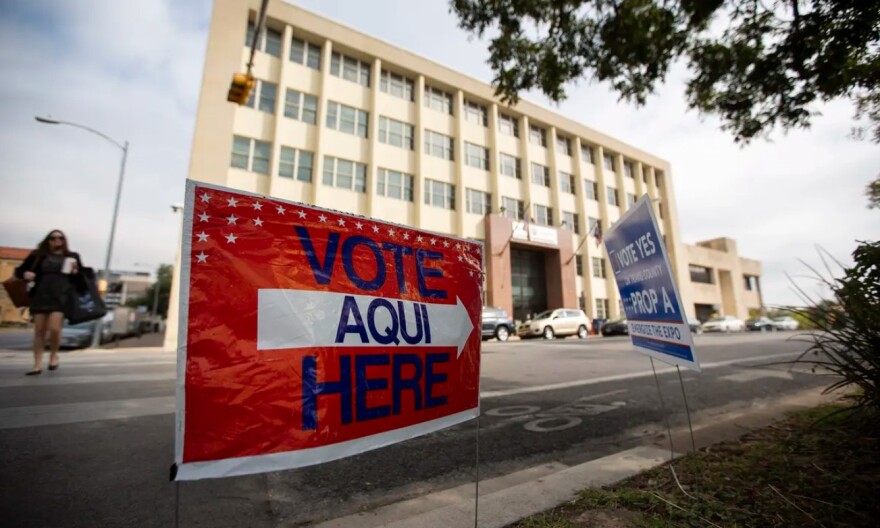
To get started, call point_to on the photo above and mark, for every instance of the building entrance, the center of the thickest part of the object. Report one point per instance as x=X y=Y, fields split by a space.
x=528 y=282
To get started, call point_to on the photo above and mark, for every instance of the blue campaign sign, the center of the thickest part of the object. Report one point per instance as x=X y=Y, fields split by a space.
x=652 y=304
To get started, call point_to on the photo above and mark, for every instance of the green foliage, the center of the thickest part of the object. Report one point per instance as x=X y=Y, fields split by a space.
x=848 y=341
x=163 y=282
x=873 y=192
x=756 y=65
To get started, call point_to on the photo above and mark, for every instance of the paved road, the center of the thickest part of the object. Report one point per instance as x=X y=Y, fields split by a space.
x=90 y=444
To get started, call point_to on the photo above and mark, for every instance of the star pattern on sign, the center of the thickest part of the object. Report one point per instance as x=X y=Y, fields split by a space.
x=471 y=273
x=322 y=218
x=258 y=222
x=202 y=257
x=460 y=258
x=232 y=202
x=433 y=241
x=203 y=237
x=206 y=197
x=419 y=238
x=257 y=206
x=341 y=222
x=280 y=210
x=230 y=238
x=391 y=232
x=232 y=219
x=446 y=243
x=406 y=236
x=301 y=213
x=203 y=217
x=375 y=229
x=457 y=245
x=359 y=225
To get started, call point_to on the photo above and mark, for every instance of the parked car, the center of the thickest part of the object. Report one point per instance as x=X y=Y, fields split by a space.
x=760 y=324
x=785 y=323
x=80 y=335
x=552 y=323
x=696 y=325
x=616 y=327
x=497 y=323
x=725 y=323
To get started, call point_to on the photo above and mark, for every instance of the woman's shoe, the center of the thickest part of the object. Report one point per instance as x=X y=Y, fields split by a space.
x=54 y=367
x=33 y=372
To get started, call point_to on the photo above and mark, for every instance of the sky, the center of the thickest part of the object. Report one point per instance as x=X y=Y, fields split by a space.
x=132 y=70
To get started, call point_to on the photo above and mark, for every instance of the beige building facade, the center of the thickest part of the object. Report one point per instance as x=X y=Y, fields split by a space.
x=721 y=282
x=343 y=120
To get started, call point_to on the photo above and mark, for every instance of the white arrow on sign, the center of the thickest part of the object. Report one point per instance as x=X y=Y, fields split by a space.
x=307 y=318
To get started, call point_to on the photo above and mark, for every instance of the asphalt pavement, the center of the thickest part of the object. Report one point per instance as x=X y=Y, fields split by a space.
x=91 y=443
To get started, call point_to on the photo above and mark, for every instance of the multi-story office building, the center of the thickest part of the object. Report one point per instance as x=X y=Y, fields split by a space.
x=343 y=120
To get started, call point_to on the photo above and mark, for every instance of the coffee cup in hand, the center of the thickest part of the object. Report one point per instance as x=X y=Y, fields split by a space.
x=69 y=265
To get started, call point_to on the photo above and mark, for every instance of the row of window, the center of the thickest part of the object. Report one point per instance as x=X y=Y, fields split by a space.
x=351 y=69
x=598 y=267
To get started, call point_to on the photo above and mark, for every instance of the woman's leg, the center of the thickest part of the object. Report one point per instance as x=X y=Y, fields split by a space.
x=55 y=320
x=39 y=339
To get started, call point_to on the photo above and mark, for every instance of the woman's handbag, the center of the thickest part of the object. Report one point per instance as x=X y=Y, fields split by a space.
x=18 y=292
x=84 y=302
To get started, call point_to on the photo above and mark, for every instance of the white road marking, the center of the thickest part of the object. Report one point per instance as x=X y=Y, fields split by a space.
x=755 y=374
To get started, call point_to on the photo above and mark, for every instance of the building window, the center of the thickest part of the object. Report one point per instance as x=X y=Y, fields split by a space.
x=543 y=215
x=591 y=189
x=305 y=52
x=251 y=154
x=439 y=194
x=294 y=163
x=586 y=153
x=700 y=274
x=476 y=113
x=437 y=144
x=345 y=174
x=572 y=221
x=599 y=267
x=301 y=106
x=628 y=170
x=396 y=133
x=537 y=135
x=508 y=125
x=630 y=199
x=396 y=85
x=510 y=166
x=563 y=145
x=395 y=184
x=751 y=282
x=658 y=178
x=612 y=196
x=350 y=69
x=263 y=97
x=479 y=202
x=540 y=174
x=269 y=42
x=593 y=225
x=513 y=208
x=609 y=162
x=660 y=209
x=437 y=99
x=347 y=119
x=601 y=308
x=579 y=266
x=476 y=156
x=566 y=182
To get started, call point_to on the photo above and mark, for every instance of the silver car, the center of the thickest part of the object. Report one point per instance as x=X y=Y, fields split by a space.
x=552 y=323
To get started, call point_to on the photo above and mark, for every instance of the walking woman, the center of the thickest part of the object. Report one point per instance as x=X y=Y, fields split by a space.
x=51 y=268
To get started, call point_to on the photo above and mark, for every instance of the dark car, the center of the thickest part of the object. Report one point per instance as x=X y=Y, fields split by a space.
x=695 y=325
x=616 y=327
x=760 y=324
x=496 y=323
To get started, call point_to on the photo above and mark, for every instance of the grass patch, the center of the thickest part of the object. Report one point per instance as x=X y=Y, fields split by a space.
x=817 y=468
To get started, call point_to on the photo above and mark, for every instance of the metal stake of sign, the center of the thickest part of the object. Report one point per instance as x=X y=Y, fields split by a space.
x=687 y=410
x=668 y=429
x=477 y=471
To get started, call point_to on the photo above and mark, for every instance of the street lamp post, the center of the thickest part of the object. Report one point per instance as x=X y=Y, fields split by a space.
x=96 y=336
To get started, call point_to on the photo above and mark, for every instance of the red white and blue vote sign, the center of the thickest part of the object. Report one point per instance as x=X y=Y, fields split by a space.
x=656 y=319
x=308 y=335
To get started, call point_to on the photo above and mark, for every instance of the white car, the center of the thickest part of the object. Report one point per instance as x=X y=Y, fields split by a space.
x=553 y=323
x=785 y=323
x=725 y=323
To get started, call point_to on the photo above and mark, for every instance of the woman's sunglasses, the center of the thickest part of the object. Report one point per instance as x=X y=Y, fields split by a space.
x=56 y=237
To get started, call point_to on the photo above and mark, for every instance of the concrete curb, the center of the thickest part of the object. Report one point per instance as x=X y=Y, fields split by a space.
x=505 y=506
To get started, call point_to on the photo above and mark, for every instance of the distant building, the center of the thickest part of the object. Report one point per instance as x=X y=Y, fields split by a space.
x=720 y=281
x=122 y=286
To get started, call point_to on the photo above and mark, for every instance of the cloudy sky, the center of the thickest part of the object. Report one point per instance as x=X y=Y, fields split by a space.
x=133 y=69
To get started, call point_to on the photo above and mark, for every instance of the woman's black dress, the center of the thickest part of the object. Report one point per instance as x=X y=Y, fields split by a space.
x=51 y=291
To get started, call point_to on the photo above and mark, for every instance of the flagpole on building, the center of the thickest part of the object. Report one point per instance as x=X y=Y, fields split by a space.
x=513 y=231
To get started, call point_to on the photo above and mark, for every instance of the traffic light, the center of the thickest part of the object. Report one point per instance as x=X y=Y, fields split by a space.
x=240 y=89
